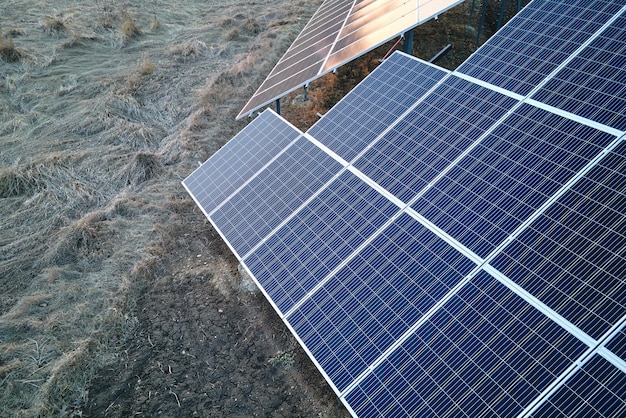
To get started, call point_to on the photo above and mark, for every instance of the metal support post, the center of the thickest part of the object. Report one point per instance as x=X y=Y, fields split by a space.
x=408 y=42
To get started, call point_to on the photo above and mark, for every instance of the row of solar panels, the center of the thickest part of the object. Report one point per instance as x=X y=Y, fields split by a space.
x=451 y=244
x=340 y=31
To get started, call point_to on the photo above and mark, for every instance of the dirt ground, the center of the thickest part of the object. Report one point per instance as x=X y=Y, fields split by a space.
x=208 y=344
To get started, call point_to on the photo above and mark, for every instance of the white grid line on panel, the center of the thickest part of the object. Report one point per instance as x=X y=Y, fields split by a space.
x=410 y=331
x=593 y=124
x=599 y=349
x=577 y=52
x=407 y=111
x=590 y=165
x=526 y=99
x=294 y=213
x=332 y=49
x=341 y=265
x=489 y=86
x=327 y=150
x=542 y=307
x=613 y=358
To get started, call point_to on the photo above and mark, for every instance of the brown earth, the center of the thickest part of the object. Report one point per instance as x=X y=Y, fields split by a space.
x=208 y=344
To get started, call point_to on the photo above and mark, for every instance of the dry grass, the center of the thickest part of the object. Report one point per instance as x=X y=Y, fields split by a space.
x=144 y=166
x=233 y=35
x=128 y=28
x=91 y=202
x=53 y=24
x=147 y=66
x=15 y=182
x=8 y=52
x=154 y=23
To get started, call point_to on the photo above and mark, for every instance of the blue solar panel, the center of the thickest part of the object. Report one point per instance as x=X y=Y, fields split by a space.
x=392 y=309
x=534 y=43
x=237 y=161
x=259 y=207
x=593 y=85
x=350 y=126
x=596 y=390
x=322 y=234
x=357 y=314
x=572 y=257
x=487 y=352
x=508 y=176
x=430 y=137
x=618 y=344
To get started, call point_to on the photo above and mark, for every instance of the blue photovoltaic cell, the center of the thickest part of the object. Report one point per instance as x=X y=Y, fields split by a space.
x=260 y=206
x=356 y=315
x=596 y=390
x=238 y=160
x=572 y=257
x=618 y=344
x=536 y=41
x=430 y=137
x=322 y=234
x=508 y=176
x=485 y=353
x=593 y=84
x=350 y=126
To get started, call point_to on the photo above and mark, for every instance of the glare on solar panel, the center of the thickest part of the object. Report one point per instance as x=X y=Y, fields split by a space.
x=236 y=162
x=339 y=32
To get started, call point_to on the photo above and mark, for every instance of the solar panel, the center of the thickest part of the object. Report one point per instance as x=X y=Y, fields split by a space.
x=573 y=256
x=351 y=125
x=486 y=352
x=508 y=176
x=340 y=31
x=459 y=251
x=596 y=390
x=316 y=239
x=421 y=144
x=618 y=344
x=592 y=84
x=376 y=297
x=536 y=41
x=237 y=161
x=269 y=198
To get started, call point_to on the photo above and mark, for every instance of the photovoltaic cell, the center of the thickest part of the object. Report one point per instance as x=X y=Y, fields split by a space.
x=238 y=160
x=593 y=85
x=431 y=136
x=351 y=125
x=508 y=176
x=357 y=314
x=596 y=390
x=536 y=41
x=618 y=344
x=572 y=257
x=258 y=208
x=486 y=353
x=322 y=234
